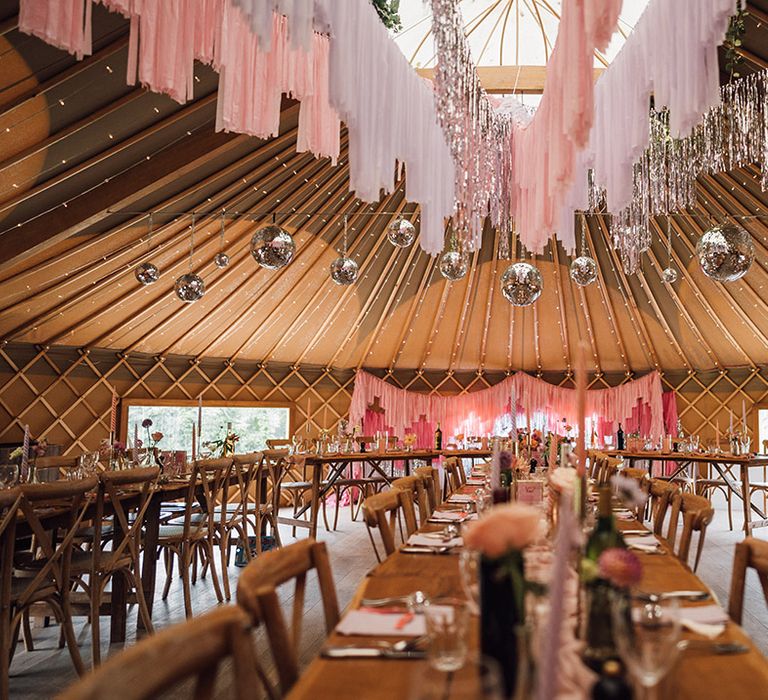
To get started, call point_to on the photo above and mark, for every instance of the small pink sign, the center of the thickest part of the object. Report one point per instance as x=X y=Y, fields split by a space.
x=529 y=491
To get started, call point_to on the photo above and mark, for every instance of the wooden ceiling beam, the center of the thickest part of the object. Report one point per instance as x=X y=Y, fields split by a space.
x=489 y=301
x=563 y=321
x=631 y=305
x=460 y=334
x=521 y=80
x=120 y=191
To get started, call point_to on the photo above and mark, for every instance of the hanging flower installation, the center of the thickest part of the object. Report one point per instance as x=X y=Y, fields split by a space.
x=726 y=252
x=521 y=284
x=272 y=247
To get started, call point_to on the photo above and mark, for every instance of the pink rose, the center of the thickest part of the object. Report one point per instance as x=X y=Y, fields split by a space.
x=621 y=567
x=507 y=527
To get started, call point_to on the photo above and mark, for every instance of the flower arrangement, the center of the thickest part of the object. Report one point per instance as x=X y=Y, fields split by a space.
x=224 y=446
x=37 y=450
x=629 y=491
x=506 y=528
x=620 y=566
x=152 y=437
x=409 y=440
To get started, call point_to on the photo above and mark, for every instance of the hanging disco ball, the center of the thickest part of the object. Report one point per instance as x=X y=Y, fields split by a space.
x=272 y=247
x=221 y=260
x=401 y=232
x=190 y=287
x=583 y=270
x=147 y=273
x=521 y=284
x=725 y=252
x=453 y=265
x=344 y=270
x=669 y=275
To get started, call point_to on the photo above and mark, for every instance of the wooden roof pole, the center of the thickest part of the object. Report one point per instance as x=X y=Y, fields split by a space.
x=563 y=324
x=459 y=335
x=489 y=301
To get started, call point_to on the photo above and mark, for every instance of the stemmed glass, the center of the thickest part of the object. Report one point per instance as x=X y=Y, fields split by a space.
x=646 y=634
x=479 y=678
x=469 y=564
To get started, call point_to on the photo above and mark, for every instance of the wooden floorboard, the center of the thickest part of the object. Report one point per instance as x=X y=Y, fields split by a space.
x=47 y=670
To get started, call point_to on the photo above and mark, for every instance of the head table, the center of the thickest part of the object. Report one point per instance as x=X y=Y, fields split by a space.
x=696 y=676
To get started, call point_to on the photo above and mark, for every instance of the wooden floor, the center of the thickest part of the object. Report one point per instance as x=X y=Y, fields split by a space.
x=42 y=673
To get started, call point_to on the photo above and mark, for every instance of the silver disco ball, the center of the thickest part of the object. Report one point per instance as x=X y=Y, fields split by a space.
x=221 y=260
x=583 y=270
x=401 y=232
x=725 y=252
x=272 y=247
x=521 y=284
x=453 y=265
x=147 y=273
x=669 y=275
x=344 y=270
x=190 y=287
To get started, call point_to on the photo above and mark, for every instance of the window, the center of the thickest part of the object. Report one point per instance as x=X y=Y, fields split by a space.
x=253 y=424
x=762 y=430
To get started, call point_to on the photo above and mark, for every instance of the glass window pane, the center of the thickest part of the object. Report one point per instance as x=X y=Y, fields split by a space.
x=253 y=424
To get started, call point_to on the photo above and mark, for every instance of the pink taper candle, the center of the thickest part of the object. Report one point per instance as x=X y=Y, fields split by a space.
x=113 y=416
x=194 y=443
x=581 y=404
x=136 y=443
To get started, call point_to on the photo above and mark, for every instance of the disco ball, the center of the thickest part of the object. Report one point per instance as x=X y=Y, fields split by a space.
x=669 y=275
x=147 y=273
x=521 y=284
x=221 y=260
x=190 y=287
x=583 y=270
x=272 y=247
x=344 y=270
x=401 y=232
x=725 y=252
x=453 y=265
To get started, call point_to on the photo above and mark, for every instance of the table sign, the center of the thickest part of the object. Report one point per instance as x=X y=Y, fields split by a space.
x=530 y=491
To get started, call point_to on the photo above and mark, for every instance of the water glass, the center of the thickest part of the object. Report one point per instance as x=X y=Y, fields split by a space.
x=447 y=629
x=479 y=678
x=9 y=475
x=746 y=443
x=646 y=635
x=469 y=566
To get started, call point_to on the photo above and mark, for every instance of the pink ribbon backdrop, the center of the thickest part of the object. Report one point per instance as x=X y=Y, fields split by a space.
x=639 y=405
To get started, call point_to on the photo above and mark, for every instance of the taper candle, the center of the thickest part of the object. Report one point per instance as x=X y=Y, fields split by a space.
x=113 y=416
x=135 y=448
x=25 y=451
x=194 y=443
x=744 y=416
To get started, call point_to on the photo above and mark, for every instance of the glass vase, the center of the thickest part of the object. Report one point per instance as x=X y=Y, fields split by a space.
x=502 y=617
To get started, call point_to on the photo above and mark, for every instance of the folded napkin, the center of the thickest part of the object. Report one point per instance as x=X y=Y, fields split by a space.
x=642 y=542
x=475 y=482
x=461 y=498
x=623 y=514
x=382 y=623
x=707 y=620
x=417 y=540
x=454 y=516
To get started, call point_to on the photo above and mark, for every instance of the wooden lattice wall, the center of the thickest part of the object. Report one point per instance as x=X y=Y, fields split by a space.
x=64 y=394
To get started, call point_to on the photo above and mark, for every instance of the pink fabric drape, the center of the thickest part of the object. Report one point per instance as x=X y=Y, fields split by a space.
x=669 y=399
x=637 y=404
x=65 y=24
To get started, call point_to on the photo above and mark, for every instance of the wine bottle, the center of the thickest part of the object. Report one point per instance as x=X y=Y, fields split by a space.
x=599 y=629
x=438 y=438
x=620 y=439
x=612 y=685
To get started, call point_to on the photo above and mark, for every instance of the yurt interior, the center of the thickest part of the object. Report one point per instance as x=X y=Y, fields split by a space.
x=384 y=349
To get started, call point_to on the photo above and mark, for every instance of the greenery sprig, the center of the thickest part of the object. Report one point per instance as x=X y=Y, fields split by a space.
x=389 y=12
x=733 y=40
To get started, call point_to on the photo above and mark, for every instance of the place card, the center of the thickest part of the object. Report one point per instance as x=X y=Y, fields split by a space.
x=530 y=491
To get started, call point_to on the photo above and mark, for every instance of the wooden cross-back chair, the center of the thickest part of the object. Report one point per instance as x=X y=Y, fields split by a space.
x=430 y=477
x=596 y=460
x=697 y=513
x=660 y=495
x=640 y=476
x=455 y=476
x=10 y=500
x=749 y=554
x=415 y=485
x=51 y=468
x=606 y=470
x=386 y=511
x=278 y=443
x=42 y=574
x=193 y=534
x=127 y=494
x=257 y=594
x=194 y=649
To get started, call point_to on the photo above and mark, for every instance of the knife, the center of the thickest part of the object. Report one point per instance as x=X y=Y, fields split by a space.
x=352 y=652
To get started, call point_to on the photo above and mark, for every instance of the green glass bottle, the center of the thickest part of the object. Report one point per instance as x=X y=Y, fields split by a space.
x=599 y=629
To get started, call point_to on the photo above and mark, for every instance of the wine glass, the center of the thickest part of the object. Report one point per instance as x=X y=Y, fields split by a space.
x=479 y=678
x=646 y=635
x=9 y=475
x=469 y=566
